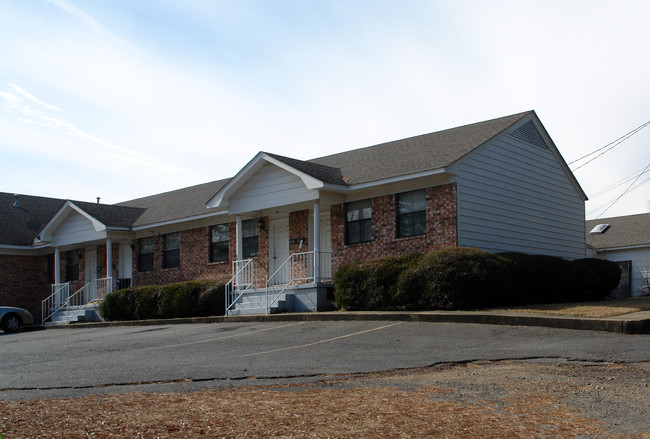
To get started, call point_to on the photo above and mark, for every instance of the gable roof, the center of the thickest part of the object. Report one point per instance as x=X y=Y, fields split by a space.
x=14 y=230
x=400 y=158
x=417 y=154
x=623 y=231
x=175 y=205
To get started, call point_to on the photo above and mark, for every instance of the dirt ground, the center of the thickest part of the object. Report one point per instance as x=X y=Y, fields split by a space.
x=513 y=399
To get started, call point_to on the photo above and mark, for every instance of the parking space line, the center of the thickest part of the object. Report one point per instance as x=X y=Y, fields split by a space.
x=324 y=341
x=221 y=338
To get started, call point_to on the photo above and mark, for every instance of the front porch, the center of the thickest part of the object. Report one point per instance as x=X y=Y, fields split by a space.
x=303 y=282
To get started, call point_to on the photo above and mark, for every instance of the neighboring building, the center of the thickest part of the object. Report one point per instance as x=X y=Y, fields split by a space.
x=498 y=185
x=626 y=240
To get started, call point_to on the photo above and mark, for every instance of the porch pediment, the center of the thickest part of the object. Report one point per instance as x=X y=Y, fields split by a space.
x=72 y=225
x=266 y=182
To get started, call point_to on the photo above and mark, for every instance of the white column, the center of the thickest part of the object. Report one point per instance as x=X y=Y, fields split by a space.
x=109 y=264
x=57 y=265
x=240 y=246
x=316 y=242
x=109 y=258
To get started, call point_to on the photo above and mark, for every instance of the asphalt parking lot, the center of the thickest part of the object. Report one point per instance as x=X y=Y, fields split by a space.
x=82 y=361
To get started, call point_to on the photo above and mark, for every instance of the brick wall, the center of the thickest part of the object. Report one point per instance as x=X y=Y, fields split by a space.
x=23 y=282
x=441 y=214
x=195 y=258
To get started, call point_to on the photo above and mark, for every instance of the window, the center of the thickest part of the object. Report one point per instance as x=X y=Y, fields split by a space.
x=172 y=250
x=358 y=222
x=145 y=255
x=250 y=241
x=219 y=237
x=411 y=213
x=72 y=265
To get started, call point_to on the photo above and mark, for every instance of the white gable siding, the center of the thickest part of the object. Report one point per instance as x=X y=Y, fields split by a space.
x=75 y=229
x=270 y=187
x=513 y=196
x=640 y=258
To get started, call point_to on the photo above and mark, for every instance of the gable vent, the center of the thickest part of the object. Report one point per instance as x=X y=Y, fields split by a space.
x=528 y=132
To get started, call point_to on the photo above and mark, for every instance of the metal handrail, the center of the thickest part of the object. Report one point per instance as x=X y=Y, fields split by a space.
x=93 y=291
x=54 y=302
x=61 y=299
x=244 y=277
x=306 y=266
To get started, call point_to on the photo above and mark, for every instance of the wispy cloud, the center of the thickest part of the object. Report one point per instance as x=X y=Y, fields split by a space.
x=27 y=108
x=85 y=18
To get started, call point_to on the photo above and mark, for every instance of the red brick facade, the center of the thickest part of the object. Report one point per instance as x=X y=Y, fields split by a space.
x=24 y=282
x=195 y=258
x=442 y=231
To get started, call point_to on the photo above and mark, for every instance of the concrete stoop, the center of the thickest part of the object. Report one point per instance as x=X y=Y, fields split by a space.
x=75 y=314
x=296 y=298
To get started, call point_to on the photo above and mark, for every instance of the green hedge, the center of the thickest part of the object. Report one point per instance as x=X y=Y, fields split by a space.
x=183 y=299
x=371 y=285
x=457 y=278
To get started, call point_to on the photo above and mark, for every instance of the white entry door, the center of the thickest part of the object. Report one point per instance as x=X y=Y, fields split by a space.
x=279 y=247
x=90 y=262
x=125 y=264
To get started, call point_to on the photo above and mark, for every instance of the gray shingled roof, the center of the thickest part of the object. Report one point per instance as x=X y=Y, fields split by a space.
x=181 y=203
x=14 y=230
x=415 y=154
x=397 y=158
x=624 y=231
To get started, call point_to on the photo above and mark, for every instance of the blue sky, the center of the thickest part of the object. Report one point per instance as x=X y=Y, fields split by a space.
x=120 y=99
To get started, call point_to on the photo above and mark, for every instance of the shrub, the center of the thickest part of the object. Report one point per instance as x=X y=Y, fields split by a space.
x=183 y=299
x=598 y=277
x=454 y=278
x=371 y=285
x=539 y=279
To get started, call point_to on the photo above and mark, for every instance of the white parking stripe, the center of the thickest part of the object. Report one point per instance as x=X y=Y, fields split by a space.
x=323 y=341
x=221 y=338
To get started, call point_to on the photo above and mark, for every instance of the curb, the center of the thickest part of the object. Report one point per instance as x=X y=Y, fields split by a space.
x=615 y=324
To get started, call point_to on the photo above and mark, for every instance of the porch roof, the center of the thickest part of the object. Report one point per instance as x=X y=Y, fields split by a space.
x=14 y=230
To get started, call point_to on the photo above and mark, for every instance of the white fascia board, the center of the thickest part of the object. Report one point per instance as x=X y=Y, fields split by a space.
x=222 y=198
x=625 y=247
x=61 y=215
x=178 y=221
x=385 y=181
x=22 y=249
x=309 y=181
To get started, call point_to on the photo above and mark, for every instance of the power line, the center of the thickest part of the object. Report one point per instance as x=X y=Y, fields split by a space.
x=596 y=209
x=618 y=183
x=625 y=191
x=609 y=146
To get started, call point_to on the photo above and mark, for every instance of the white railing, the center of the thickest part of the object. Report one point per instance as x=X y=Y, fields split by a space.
x=55 y=301
x=299 y=268
x=74 y=304
x=242 y=280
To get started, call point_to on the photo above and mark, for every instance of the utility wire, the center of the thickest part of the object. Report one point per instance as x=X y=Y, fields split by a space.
x=596 y=209
x=625 y=191
x=609 y=146
x=618 y=183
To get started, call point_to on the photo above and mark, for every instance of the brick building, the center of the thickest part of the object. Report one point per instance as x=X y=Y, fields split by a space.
x=498 y=185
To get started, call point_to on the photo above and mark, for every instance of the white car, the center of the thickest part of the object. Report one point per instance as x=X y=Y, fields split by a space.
x=11 y=318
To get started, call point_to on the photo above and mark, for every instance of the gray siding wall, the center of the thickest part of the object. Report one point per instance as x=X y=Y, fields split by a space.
x=640 y=258
x=513 y=196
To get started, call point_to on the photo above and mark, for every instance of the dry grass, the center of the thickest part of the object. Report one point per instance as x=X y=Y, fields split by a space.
x=599 y=309
x=486 y=401
x=359 y=413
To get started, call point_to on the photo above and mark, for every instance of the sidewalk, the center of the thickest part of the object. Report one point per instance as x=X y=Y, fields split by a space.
x=632 y=323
